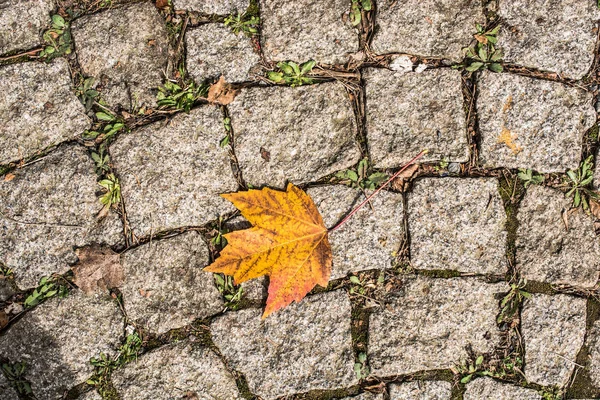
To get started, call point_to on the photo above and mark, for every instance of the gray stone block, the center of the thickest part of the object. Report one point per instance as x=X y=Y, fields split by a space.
x=213 y=6
x=593 y=345
x=22 y=23
x=488 y=388
x=37 y=109
x=421 y=390
x=407 y=113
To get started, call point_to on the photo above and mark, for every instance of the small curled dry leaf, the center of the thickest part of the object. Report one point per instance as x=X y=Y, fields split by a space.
x=222 y=92
x=98 y=270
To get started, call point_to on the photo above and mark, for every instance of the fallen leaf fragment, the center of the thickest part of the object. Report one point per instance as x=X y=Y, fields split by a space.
x=288 y=241
x=399 y=182
x=595 y=208
x=98 y=270
x=222 y=92
x=3 y=319
x=9 y=177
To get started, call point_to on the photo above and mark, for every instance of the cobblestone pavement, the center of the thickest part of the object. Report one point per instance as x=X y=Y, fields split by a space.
x=474 y=278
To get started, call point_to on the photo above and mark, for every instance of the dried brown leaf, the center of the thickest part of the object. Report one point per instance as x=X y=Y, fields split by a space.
x=3 y=319
x=400 y=181
x=595 y=209
x=9 y=177
x=222 y=92
x=99 y=269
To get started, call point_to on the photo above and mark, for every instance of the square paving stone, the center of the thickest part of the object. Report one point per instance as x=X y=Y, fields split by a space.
x=175 y=370
x=551 y=35
x=548 y=250
x=172 y=175
x=306 y=346
x=37 y=108
x=47 y=210
x=305 y=30
x=365 y=396
x=22 y=23
x=429 y=28
x=57 y=339
x=488 y=388
x=431 y=322
x=126 y=50
x=457 y=224
x=298 y=134
x=407 y=113
x=553 y=328
x=531 y=123
x=593 y=344
x=165 y=287
x=213 y=6
x=371 y=238
x=214 y=50
x=421 y=390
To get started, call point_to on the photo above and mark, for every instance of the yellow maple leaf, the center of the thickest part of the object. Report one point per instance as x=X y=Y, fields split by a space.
x=288 y=241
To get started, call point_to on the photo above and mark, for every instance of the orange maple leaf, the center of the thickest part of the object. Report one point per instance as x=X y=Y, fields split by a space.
x=288 y=241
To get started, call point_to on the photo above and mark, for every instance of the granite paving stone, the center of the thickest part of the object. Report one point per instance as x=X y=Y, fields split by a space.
x=304 y=132
x=421 y=390
x=371 y=238
x=427 y=28
x=430 y=322
x=48 y=209
x=550 y=251
x=213 y=50
x=37 y=108
x=22 y=23
x=171 y=174
x=410 y=112
x=213 y=6
x=125 y=49
x=57 y=339
x=305 y=30
x=553 y=329
x=488 y=388
x=306 y=346
x=550 y=35
x=457 y=224
x=531 y=123
x=593 y=344
x=7 y=391
x=182 y=370
x=165 y=287
x=365 y=396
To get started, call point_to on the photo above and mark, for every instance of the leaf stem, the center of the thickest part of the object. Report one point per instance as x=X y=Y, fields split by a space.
x=411 y=162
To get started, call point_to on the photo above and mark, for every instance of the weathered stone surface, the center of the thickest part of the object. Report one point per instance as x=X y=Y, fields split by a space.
x=91 y=395
x=421 y=390
x=7 y=392
x=165 y=287
x=48 y=209
x=22 y=23
x=173 y=370
x=307 y=30
x=255 y=290
x=171 y=175
x=457 y=224
x=427 y=28
x=550 y=35
x=488 y=388
x=548 y=251
x=214 y=50
x=58 y=338
x=308 y=132
x=213 y=6
x=126 y=50
x=306 y=346
x=365 y=396
x=6 y=289
x=593 y=345
x=553 y=328
x=430 y=323
x=370 y=239
x=531 y=123
x=407 y=113
x=37 y=108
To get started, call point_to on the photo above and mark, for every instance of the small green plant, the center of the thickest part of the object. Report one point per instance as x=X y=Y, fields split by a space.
x=360 y=366
x=173 y=95
x=113 y=190
x=105 y=365
x=243 y=23
x=529 y=178
x=231 y=293
x=442 y=166
x=292 y=74
x=470 y=369
x=484 y=54
x=86 y=94
x=15 y=373
x=510 y=303
x=114 y=126
x=580 y=181
x=357 y=287
x=356 y=10
x=361 y=177
x=227 y=125
x=47 y=288
x=57 y=39
x=102 y=161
